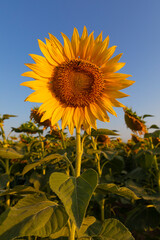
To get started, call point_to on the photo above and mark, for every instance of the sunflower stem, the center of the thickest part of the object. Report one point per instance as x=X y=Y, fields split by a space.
x=78 y=153
x=77 y=172
x=72 y=232
x=97 y=157
x=8 y=183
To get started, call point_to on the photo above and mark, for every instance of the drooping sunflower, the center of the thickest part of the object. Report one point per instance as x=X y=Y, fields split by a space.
x=134 y=122
x=78 y=82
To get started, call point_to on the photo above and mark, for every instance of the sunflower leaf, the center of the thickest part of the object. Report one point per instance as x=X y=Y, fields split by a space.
x=103 y=131
x=32 y=215
x=10 y=153
x=110 y=229
x=46 y=159
x=75 y=193
x=113 y=188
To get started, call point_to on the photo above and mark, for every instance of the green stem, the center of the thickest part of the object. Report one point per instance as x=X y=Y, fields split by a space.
x=78 y=153
x=62 y=140
x=8 y=183
x=97 y=157
x=102 y=209
x=157 y=172
x=71 y=166
x=3 y=134
x=77 y=173
x=72 y=232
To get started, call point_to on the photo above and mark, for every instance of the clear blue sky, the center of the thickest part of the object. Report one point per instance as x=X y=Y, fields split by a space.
x=134 y=26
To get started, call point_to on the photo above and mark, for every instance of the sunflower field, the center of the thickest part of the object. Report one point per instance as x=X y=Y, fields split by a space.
x=116 y=196
x=75 y=181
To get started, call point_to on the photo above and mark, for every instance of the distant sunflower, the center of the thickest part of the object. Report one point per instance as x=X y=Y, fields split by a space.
x=134 y=122
x=76 y=82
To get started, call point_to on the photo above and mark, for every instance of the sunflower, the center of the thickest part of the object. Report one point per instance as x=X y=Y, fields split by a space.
x=134 y=122
x=36 y=117
x=77 y=82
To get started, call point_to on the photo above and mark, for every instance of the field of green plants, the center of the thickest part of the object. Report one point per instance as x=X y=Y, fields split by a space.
x=117 y=195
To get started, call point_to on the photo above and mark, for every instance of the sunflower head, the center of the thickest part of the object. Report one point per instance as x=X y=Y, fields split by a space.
x=136 y=138
x=103 y=139
x=76 y=82
x=134 y=122
x=36 y=116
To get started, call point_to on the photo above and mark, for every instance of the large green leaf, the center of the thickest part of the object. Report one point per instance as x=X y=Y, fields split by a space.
x=33 y=215
x=113 y=188
x=138 y=190
x=9 y=153
x=46 y=159
x=143 y=218
x=19 y=190
x=75 y=193
x=110 y=229
x=103 y=131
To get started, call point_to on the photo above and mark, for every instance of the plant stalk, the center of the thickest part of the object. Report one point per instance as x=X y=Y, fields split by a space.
x=97 y=157
x=78 y=153
x=8 y=183
x=157 y=172
x=77 y=173
x=3 y=135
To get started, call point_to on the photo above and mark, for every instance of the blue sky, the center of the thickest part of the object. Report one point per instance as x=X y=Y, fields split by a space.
x=133 y=26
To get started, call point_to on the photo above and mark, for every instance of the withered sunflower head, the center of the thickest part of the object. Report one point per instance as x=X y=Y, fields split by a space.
x=36 y=116
x=76 y=82
x=134 y=122
x=104 y=139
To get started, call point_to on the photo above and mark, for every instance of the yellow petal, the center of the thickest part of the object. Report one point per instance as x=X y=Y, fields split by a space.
x=35 y=85
x=98 y=50
x=67 y=47
x=114 y=59
x=46 y=53
x=116 y=103
x=57 y=114
x=42 y=70
x=38 y=96
x=55 y=51
x=78 y=117
x=105 y=102
x=67 y=117
x=98 y=38
x=90 y=48
x=83 y=46
x=47 y=115
x=90 y=117
x=116 y=76
x=75 y=41
x=113 y=67
x=71 y=127
x=50 y=103
x=117 y=85
x=115 y=94
x=56 y=43
x=99 y=113
x=111 y=62
x=84 y=34
x=87 y=127
x=32 y=74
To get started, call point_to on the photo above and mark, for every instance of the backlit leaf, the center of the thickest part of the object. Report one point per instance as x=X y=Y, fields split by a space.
x=75 y=193
x=33 y=215
x=110 y=229
x=9 y=153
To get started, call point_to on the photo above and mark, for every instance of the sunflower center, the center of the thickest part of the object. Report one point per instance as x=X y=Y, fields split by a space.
x=77 y=83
